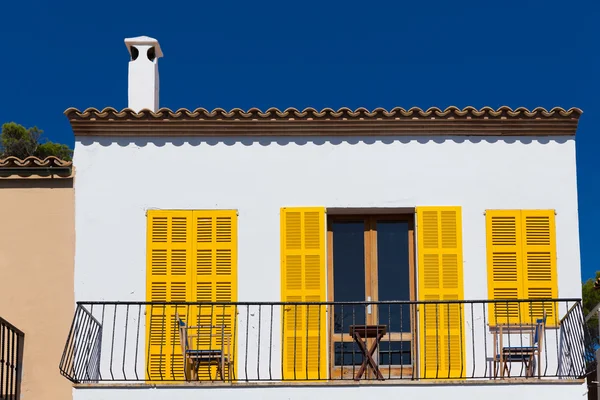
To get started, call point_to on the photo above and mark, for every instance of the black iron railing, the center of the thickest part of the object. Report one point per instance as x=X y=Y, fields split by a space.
x=577 y=352
x=321 y=341
x=11 y=360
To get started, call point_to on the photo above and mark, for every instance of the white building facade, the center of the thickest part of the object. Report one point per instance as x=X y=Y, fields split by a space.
x=250 y=253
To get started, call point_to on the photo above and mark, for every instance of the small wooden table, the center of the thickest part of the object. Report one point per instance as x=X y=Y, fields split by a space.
x=361 y=332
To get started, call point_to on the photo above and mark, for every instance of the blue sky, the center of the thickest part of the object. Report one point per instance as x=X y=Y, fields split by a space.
x=55 y=55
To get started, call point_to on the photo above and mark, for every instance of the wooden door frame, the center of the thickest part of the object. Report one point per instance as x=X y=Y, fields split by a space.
x=371 y=276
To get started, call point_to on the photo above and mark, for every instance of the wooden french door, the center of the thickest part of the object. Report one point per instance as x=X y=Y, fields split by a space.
x=371 y=258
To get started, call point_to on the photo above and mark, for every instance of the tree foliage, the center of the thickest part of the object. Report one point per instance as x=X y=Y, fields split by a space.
x=590 y=298
x=21 y=142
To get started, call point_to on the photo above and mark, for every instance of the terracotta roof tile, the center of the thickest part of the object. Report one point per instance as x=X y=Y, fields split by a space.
x=48 y=162
x=327 y=113
x=398 y=121
x=49 y=166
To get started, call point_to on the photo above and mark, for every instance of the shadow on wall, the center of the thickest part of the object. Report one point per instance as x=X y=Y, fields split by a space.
x=284 y=141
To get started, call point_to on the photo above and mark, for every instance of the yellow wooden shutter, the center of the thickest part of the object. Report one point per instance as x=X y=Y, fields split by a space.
x=539 y=263
x=521 y=258
x=440 y=276
x=214 y=280
x=168 y=259
x=504 y=265
x=303 y=280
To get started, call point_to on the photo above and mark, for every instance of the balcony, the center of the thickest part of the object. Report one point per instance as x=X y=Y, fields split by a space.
x=11 y=360
x=327 y=342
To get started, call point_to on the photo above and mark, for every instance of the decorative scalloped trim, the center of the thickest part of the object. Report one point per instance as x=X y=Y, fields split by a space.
x=32 y=162
x=327 y=113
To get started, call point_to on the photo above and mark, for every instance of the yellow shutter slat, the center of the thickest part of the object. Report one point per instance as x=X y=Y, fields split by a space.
x=539 y=263
x=169 y=240
x=214 y=279
x=440 y=277
x=504 y=267
x=303 y=280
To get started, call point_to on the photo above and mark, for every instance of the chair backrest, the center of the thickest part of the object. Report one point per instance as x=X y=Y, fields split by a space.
x=182 y=334
x=540 y=323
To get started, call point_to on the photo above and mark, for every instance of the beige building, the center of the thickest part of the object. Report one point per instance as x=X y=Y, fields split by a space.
x=37 y=239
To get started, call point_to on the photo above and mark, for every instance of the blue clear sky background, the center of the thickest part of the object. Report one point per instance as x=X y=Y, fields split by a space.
x=55 y=55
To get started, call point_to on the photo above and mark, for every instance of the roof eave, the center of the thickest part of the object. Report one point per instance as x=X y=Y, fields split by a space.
x=327 y=122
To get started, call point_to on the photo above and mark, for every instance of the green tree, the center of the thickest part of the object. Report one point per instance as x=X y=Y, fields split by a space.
x=59 y=150
x=17 y=141
x=591 y=297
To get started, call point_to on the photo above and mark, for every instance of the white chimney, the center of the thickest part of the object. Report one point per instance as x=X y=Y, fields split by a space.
x=143 y=73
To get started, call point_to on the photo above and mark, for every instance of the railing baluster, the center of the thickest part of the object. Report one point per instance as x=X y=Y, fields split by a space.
x=90 y=349
x=271 y=343
x=438 y=357
x=77 y=347
x=233 y=346
x=307 y=340
x=137 y=342
x=259 y=335
x=112 y=342
x=343 y=362
x=353 y=347
x=319 y=346
x=486 y=321
x=81 y=363
x=413 y=319
x=150 y=336
x=125 y=342
x=424 y=309
x=283 y=344
x=330 y=310
x=246 y=344
x=473 y=339
x=2 y=346
x=389 y=333
x=295 y=336
x=461 y=311
x=448 y=323
x=11 y=363
x=172 y=325
x=101 y=337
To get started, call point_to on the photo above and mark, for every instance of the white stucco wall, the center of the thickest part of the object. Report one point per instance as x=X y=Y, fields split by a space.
x=351 y=392
x=119 y=179
x=117 y=182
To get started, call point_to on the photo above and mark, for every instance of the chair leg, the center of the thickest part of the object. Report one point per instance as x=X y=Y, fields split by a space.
x=495 y=370
x=219 y=370
x=223 y=368
x=194 y=372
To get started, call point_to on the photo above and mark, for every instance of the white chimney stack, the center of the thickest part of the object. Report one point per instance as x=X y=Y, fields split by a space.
x=143 y=73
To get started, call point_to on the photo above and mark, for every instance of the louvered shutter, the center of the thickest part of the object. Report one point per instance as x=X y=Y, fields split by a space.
x=303 y=280
x=504 y=265
x=169 y=240
x=440 y=277
x=539 y=263
x=214 y=280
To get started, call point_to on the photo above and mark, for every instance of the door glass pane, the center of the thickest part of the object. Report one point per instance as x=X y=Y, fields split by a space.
x=348 y=273
x=393 y=274
x=394 y=353
x=347 y=353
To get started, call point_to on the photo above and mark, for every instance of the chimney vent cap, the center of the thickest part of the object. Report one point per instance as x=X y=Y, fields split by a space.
x=144 y=40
